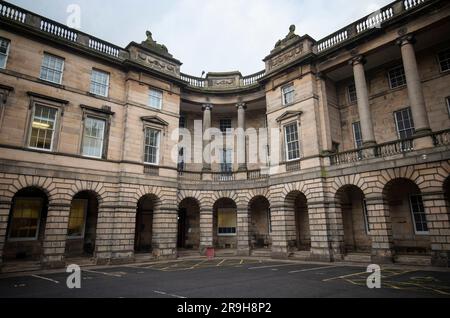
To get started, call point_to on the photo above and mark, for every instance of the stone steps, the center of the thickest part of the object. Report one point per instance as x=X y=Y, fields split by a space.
x=358 y=258
x=300 y=255
x=15 y=267
x=418 y=260
x=225 y=252
x=261 y=253
x=188 y=254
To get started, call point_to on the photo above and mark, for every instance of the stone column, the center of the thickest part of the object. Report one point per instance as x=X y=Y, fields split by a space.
x=165 y=231
x=243 y=240
x=5 y=207
x=415 y=92
x=380 y=230
x=206 y=228
x=55 y=236
x=438 y=220
x=207 y=108
x=241 y=143
x=363 y=101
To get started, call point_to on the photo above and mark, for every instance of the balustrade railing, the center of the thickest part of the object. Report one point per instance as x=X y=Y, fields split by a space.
x=194 y=81
x=441 y=138
x=58 y=30
x=12 y=12
x=252 y=79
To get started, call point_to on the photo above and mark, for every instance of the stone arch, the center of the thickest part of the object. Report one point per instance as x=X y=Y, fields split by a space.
x=225 y=220
x=299 y=187
x=349 y=180
x=259 y=221
x=249 y=195
x=151 y=191
x=297 y=220
x=224 y=194
x=45 y=184
x=96 y=188
x=189 y=194
x=409 y=173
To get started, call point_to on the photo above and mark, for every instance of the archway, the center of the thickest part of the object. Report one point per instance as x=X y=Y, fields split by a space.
x=355 y=219
x=82 y=229
x=260 y=223
x=144 y=224
x=26 y=225
x=189 y=224
x=225 y=224
x=297 y=217
x=408 y=217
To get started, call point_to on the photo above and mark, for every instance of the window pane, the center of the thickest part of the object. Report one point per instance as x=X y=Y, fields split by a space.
x=25 y=218
x=155 y=99
x=43 y=127
x=288 y=94
x=225 y=125
x=151 y=148
x=352 y=97
x=292 y=144
x=405 y=124
x=357 y=135
x=444 y=60
x=52 y=68
x=94 y=131
x=77 y=218
x=4 y=50
x=99 y=83
x=397 y=77
x=419 y=215
x=226 y=221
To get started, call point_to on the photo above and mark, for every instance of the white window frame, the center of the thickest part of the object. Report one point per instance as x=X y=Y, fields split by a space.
x=83 y=230
x=439 y=61
x=38 y=226
x=101 y=84
x=62 y=68
x=158 y=148
x=286 y=142
x=7 y=52
x=55 y=127
x=354 y=134
x=396 y=121
x=349 y=94
x=159 y=107
x=414 y=219
x=284 y=93
x=103 y=136
x=390 y=79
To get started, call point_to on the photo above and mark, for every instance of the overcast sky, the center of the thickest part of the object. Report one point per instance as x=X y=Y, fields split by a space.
x=209 y=35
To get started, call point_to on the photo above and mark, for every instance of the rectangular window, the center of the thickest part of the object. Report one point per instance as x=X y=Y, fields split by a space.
x=226 y=165
x=444 y=60
x=225 y=125
x=77 y=218
x=155 y=98
x=448 y=104
x=351 y=92
x=152 y=141
x=357 y=135
x=404 y=123
x=419 y=215
x=397 y=77
x=99 y=83
x=292 y=144
x=4 y=52
x=226 y=222
x=366 y=217
x=43 y=127
x=26 y=215
x=288 y=93
x=52 y=68
x=93 y=138
x=182 y=123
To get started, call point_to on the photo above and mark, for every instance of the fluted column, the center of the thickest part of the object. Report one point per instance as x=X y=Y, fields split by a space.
x=241 y=153
x=207 y=108
x=363 y=101
x=415 y=92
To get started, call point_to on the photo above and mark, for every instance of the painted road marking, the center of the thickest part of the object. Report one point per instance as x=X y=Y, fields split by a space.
x=166 y=294
x=272 y=266
x=45 y=278
x=223 y=261
x=102 y=273
x=312 y=269
x=343 y=276
x=198 y=264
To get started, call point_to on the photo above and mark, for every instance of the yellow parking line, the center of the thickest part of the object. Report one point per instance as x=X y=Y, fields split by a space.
x=344 y=276
x=242 y=262
x=223 y=261
x=198 y=264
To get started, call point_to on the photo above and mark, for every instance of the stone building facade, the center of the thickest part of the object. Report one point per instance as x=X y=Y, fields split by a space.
x=355 y=165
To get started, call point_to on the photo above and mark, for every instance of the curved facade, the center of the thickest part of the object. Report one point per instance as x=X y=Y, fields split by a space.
x=338 y=150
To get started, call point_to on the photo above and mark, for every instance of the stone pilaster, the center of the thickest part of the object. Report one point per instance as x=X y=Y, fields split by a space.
x=5 y=207
x=438 y=220
x=415 y=92
x=241 y=144
x=165 y=231
x=243 y=240
x=207 y=108
x=380 y=230
x=104 y=233
x=335 y=237
x=55 y=236
x=325 y=244
x=365 y=115
x=280 y=237
x=122 y=245
x=206 y=228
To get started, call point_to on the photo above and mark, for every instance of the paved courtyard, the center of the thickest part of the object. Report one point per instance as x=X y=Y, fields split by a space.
x=228 y=278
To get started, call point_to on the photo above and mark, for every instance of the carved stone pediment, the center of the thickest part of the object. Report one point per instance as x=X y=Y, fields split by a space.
x=155 y=120
x=288 y=115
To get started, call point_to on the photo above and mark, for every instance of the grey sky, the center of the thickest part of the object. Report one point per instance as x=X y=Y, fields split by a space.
x=210 y=35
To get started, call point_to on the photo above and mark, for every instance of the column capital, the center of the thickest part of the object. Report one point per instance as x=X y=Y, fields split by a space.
x=207 y=107
x=241 y=105
x=406 y=39
x=359 y=59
